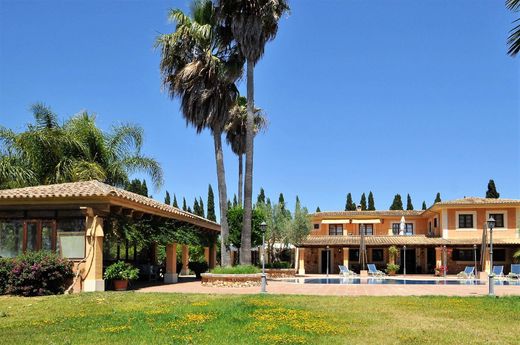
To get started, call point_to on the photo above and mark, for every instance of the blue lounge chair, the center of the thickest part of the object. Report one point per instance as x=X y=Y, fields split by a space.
x=343 y=270
x=373 y=271
x=515 y=271
x=468 y=273
x=498 y=271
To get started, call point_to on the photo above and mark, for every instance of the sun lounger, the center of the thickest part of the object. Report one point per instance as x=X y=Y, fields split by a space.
x=343 y=270
x=373 y=271
x=498 y=271
x=469 y=272
x=515 y=271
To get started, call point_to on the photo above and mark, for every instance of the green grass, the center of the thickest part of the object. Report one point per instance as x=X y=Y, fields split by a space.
x=239 y=269
x=153 y=318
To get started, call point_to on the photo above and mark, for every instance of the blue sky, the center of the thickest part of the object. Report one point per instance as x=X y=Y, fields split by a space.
x=392 y=97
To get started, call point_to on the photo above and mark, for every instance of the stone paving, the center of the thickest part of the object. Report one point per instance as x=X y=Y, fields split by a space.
x=287 y=288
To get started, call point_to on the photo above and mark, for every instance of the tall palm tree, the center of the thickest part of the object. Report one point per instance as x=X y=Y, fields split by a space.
x=253 y=23
x=199 y=65
x=236 y=135
x=78 y=150
x=514 y=38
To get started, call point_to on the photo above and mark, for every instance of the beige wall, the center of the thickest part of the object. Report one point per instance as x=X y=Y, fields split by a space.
x=481 y=216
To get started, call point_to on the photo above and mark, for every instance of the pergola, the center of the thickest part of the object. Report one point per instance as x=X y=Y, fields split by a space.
x=69 y=218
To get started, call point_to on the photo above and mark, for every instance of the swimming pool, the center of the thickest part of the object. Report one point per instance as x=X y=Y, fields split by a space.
x=376 y=281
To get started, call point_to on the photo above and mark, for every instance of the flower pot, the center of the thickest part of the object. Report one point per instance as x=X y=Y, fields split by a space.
x=391 y=273
x=120 y=285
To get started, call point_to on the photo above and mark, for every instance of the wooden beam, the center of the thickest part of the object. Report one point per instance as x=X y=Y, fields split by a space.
x=128 y=212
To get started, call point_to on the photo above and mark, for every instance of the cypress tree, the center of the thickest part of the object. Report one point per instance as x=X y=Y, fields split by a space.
x=174 y=204
x=397 y=204
x=167 y=198
x=492 y=190
x=261 y=197
x=363 y=202
x=235 y=201
x=190 y=210
x=184 y=207
x=268 y=202
x=196 y=209
x=424 y=205
x=211 y=205
x=229 y=205
x=144 y=189
x=349 y=205
x=201 y=207
x=281 y=200
x=437 y=198
x=318 y=209
x=371 y=205
x=409 y=205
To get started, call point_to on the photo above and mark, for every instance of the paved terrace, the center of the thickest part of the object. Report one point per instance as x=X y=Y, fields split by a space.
x=285 y=288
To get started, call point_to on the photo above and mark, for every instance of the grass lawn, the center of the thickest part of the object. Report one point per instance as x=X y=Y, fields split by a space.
x=153 y=318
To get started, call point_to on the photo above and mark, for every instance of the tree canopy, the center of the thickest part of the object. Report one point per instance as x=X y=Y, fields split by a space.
x=492 y=190
x=397 y=204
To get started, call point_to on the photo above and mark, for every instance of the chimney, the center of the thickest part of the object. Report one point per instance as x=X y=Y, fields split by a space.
x=358 y=208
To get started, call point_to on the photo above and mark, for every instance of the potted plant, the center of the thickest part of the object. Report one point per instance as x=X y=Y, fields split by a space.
x=198 y=267
x=391 y=269
x=120 y=273
x=392 y=252
x=439 y=270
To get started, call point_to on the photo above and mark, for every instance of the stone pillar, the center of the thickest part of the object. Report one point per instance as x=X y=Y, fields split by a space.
x=185 y=259
x=438 y=257
x=206 y=255
x=346 y=253
x=487 y=262
x=171 y=263
x=212 y=256
x=93 y=268
x=301 y=259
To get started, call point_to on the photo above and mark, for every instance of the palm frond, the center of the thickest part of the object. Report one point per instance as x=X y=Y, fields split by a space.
x=44 y=116
x=140 y=163
x=514 y=40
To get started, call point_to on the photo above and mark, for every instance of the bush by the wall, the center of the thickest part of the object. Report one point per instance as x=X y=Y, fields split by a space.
x=198 y=267
x=38 y=274
x=6 y=265
x=239 y=269
x=278 y=264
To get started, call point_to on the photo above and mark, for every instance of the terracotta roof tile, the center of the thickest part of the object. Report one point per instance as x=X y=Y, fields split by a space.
x=478 y=201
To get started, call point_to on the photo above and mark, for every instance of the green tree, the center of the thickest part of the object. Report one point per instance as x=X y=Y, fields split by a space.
x=371 y=205
x=235 y=201
x=167 y=198
x=437 y=198
x=184 y=207
x=196 y=208
x=235 y=218
x=211 y=204
x=349 y=205
x=363 y=202
x=201 y=207
x=492 y=190
x=514 y=38
x=200 y=64
x=424 y=205
x=253 y=23
x=261 y=197
x=409 y=205
x=137 y=186
x=174 y=204
x=300 y=226
x=397 y=204
x=318 y=209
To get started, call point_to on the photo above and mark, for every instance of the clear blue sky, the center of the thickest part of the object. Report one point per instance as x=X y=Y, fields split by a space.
x=401 y=97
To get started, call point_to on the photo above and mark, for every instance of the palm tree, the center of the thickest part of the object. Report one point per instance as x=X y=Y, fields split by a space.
x=236 y=135
x=47 y=153
x=253 y=23
x=199 y=65
x=514 y=38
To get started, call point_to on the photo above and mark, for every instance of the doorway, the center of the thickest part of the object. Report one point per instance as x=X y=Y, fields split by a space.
x=410 y=261
x=326 y=260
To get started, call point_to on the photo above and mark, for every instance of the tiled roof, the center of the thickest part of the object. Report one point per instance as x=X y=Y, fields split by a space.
x=88 y=189
x=395 y=213
x=418 y=240
x=478 y=201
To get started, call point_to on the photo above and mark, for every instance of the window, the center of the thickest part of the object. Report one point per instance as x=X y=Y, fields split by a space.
x=408 y=228
x=316 y=226
x=71 y=238
x=465 y=254
x=11 y=238
x=336 y=229
x=434 y=222
x=353 y=254
x=367 y=229
x=377 y=255
x=499 y=219
x=499 y=254
x=465 y=221
x=395 y=228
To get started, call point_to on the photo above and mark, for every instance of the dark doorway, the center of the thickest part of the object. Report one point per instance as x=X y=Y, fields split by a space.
x=326 y=260
x=430 y=260
x=410 y=261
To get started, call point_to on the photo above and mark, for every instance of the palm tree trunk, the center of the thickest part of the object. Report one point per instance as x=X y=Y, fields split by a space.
x=245 y=247
x=225 y=254
x=240 y=179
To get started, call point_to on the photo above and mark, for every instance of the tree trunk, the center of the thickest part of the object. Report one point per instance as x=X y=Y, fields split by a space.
x=245 y=247
x=240 y=179
x=225 y=254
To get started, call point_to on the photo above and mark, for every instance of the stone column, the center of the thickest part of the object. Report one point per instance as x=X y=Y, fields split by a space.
x=346 y=253
x=185 y=259
x=301 y=259
x=438 y=257
x=212 y=256
x=93 y=268
x=206 y=255
x=171 y=263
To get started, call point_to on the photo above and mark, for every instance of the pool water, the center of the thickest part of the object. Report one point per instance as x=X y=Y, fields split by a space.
x=356 y=281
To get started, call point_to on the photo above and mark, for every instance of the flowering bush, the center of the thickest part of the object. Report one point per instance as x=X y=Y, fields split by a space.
x=121 y=271
x=38 y=274
x=440 y=270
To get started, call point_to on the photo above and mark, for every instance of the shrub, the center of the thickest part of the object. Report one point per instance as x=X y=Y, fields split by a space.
x=198 y=268
x=6 y=265
x=121 y=271
x=279 y=264
x=38 y=274
x=240 y=269
x=392 y=268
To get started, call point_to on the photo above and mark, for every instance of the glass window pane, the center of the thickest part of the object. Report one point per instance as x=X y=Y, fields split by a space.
x=47 y=236
x=11 y=239
x=72 y=245
x=32 y=236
